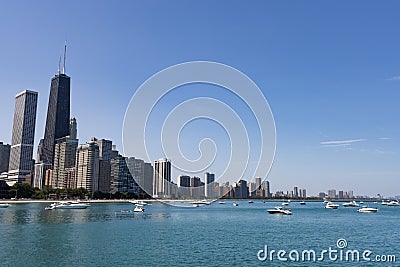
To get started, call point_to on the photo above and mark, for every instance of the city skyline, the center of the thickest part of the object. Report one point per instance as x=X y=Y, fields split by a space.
x=320 y=80
x=72 y=131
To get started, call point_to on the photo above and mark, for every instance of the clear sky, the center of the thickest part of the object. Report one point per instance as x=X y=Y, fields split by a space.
x=330 y=71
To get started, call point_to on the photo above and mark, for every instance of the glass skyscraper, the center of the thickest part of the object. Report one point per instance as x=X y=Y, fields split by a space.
x=58 y=116
x=23 y=136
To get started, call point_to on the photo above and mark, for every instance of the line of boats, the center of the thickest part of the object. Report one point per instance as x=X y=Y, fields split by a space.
x=281 y=210
x=140 y=206
x=362 y=209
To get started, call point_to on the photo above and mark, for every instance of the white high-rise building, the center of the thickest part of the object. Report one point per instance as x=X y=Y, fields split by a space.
x=265 y=186
x=23 y=136
x=40 y=174
x=87 y=166
x=162 y=179
x=252 y=188
x=332 y=193
x=64 y=158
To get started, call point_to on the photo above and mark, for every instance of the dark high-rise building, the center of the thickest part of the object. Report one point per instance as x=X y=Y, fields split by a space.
x=58 y=115
x=241 y=190
x=120 y=175
x=58 y=111
x=196 y=187
x=209 y=180
x=148 y=178
x=4 y=157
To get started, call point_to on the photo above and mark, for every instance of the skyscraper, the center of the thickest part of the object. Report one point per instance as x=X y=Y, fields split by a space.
x=162 y=179
x=4 y=157
x=23 y=136
x=295 y=191
x=87 y=166
x=332 y=193
x=58 y=115
x=106 y=153
x=64 y=158
x=136 y=168
x=120 y=175
x=105 y=148
x=241 y=190
x=148 y=178
x=266 y=188
x=183 y=186
x=209 y=179
x=258 y=182
x=196 y=189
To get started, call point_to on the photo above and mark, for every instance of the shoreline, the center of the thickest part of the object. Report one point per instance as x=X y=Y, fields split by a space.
x=28 y=201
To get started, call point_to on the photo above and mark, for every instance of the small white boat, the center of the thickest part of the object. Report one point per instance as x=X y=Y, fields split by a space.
x=350 y=204
x=326 y=201
x=137 y=201
x=393 y=203
x=367 y=210
x=67 y=205
x=279 y=211
x=201 y=202
x=384 y=202
x=302 y=202
x=138 y=208
x=4 y=205
x=195 y=205
x=235 y=204
x=361 y=202
x=285 y=203
x=251 y=201
x=222 y=202
x=331 y=205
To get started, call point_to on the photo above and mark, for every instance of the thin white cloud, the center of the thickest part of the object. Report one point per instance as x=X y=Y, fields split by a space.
x=341 y=142
x=384 y=138
x=394 y=78
x=337 y=145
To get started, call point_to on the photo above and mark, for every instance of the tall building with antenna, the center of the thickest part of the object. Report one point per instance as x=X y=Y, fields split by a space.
x=58 y=114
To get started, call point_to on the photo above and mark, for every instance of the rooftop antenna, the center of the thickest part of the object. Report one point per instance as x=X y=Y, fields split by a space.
x=59 y=65
x=65 y=53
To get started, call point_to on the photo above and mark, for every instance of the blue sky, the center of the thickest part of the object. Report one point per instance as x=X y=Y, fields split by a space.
x=330 y=71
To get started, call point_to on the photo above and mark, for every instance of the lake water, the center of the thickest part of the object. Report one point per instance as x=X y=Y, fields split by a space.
x=214 y=235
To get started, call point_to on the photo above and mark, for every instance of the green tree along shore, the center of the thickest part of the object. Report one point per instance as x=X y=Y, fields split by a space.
x=24 y=190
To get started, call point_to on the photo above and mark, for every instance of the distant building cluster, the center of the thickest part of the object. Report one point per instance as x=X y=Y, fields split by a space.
x=295 y=193
x=333 y=194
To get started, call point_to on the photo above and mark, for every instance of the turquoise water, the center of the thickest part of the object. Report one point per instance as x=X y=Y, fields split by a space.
x=214 y=235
